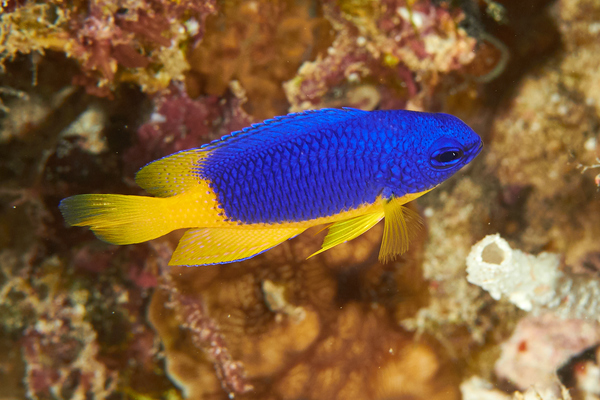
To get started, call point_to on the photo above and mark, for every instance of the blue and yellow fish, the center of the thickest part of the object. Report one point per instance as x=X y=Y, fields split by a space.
x=253 y=189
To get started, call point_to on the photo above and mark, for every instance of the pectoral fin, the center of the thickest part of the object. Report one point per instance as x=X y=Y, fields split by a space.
x=223 y=245
x=349 y=229
x=401 y=226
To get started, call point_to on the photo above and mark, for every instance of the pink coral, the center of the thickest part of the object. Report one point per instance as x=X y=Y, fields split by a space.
x=541 y=345
x=131 y=34
x=61 y=352
x=179 y=122
x=113 y=41
x=405 y=46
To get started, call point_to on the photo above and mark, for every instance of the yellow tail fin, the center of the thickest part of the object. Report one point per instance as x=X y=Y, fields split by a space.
x=120 y=219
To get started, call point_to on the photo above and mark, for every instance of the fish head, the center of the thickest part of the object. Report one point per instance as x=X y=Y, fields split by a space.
x=447 y=148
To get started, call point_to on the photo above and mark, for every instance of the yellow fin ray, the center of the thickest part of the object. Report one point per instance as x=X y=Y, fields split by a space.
x=119 y=219
x=349 y=229
x=401 y=225
x=171 y=175
x=223 y=245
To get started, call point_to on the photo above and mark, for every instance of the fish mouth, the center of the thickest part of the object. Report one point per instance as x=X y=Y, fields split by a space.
x=474 y=150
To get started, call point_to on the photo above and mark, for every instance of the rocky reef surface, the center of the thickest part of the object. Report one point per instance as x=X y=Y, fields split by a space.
x=90 y=91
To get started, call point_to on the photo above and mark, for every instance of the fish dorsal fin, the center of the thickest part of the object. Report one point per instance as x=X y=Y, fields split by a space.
x=349 y=229
x=260 y=135
x=223 y=245
x=171 y=175
x=401 y=226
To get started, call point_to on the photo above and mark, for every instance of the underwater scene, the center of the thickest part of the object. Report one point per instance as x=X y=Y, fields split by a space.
x=299 y=199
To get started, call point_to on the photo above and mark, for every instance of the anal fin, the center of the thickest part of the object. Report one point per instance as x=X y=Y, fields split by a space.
x=401 y=225
x=223 y=245
x=349 y=229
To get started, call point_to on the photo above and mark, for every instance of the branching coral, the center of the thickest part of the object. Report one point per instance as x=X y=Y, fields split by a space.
x=192 y=315
x=33 y=28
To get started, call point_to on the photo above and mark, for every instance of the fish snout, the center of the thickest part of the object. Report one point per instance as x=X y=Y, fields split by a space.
x=473 y=151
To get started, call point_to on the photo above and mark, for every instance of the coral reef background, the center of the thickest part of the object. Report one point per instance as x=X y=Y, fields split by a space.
x=91 y=90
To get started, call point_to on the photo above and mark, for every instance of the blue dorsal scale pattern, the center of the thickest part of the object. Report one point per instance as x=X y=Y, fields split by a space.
x=298 y=171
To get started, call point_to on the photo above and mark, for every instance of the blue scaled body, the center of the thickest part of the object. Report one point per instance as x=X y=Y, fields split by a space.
x=319 y=163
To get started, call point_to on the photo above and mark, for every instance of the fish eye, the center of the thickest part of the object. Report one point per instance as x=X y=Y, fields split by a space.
x=446 y=158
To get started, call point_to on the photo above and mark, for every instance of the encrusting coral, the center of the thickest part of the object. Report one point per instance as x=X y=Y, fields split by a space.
x=587 y=376
x=81 y=328
x=407 y=46
x=540 y=346
x=179 y=122
x=60 y=349
x=260 y=44
x=567 y=305
x=113 y=41
x=339 y=325
x=544 y=136
x=529 y=187
x=294 y=332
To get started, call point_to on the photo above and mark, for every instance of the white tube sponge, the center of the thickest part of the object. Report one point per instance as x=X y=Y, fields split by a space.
x=476 y=388
x=532 y=283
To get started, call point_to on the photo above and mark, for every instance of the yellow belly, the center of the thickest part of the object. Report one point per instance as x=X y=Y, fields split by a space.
x=199 y=207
